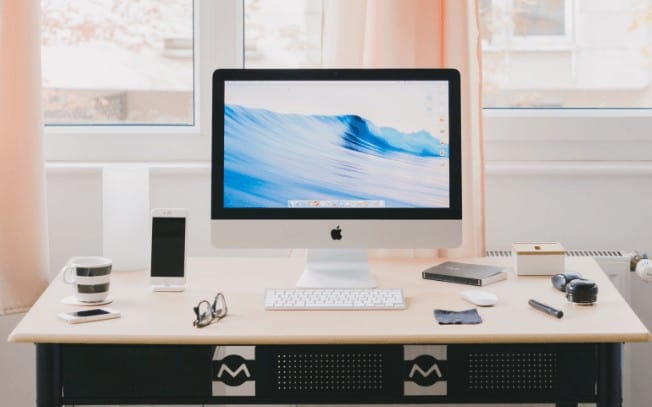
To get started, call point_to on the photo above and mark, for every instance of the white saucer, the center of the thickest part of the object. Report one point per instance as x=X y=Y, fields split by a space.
x=72 y=300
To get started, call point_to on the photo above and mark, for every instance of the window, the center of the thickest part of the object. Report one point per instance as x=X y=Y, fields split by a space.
x=566 y=53
x=546 y=63
x=178 y=135
x=543 y=18
x=521 y=22
x=282 y=33
x=562 y=79
x=118 y=62
x=536 y=53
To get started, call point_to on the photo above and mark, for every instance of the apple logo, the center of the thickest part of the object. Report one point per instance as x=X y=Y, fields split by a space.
x=336 y=234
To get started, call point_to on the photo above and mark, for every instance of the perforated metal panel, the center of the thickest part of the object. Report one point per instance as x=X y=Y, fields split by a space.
x=331 y=372
x=339 y=374
x=357 y=371
x=507 y=371
x=520 y=373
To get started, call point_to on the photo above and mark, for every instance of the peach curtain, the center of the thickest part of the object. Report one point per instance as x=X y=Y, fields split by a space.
x=420 y=34
x=23 y=230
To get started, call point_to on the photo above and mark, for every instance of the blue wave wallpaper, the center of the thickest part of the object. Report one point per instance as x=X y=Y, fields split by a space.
x=273 y=158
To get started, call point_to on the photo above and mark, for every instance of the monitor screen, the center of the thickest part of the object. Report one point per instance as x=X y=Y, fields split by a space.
x=344 y=144
x=300 y=153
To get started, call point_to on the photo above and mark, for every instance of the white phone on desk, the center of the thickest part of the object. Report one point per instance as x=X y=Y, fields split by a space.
x=89 y=315
x=168 y=260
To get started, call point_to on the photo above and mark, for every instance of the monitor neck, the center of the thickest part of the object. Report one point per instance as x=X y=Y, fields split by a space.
x=336 y=268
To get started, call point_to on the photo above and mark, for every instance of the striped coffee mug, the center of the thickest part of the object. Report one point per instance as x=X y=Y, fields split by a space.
x=90 y=277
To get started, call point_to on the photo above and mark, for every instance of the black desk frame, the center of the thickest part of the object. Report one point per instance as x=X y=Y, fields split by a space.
x=565 y=374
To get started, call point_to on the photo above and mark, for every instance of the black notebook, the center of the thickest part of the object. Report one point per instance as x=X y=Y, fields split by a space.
x=465 y=273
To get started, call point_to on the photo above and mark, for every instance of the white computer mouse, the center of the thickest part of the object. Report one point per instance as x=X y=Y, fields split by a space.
x=480 y=297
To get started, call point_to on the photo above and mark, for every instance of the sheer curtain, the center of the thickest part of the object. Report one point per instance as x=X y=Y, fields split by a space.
x=420 y=34
x=23 y=230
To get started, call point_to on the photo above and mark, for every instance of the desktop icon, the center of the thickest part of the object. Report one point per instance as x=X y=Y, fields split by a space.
x=336 y=234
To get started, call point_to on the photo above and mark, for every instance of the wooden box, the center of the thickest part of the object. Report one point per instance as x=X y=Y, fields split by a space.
x=538 y=259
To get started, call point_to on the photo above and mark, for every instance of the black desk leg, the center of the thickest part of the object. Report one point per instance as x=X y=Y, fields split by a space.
x=610 y=379
x=48 y=375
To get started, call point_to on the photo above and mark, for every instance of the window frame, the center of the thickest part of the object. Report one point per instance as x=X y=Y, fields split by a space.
x=214 y=45
x=511 y=135
x=562 y=134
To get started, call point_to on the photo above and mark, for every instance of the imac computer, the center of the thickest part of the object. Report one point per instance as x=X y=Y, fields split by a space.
x=336 y=161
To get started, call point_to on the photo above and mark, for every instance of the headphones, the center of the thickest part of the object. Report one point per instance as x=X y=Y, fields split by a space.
x=578 y=290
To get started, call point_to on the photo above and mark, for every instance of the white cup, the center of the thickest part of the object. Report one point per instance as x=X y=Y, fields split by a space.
x=90 y=277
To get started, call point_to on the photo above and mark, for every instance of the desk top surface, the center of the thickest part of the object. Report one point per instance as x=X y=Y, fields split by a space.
x=166 y=317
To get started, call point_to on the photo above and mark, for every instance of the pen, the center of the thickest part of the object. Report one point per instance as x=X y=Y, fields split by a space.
x=546 y=308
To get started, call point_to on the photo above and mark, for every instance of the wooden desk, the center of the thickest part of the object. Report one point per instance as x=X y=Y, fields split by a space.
x=153 y=354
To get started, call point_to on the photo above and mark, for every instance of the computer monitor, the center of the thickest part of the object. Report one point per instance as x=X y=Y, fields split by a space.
x=336 y=161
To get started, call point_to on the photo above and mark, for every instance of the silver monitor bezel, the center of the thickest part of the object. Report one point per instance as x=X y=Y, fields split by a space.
x=310 y=227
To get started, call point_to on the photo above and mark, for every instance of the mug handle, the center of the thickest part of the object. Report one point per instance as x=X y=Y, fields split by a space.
x=66 y=272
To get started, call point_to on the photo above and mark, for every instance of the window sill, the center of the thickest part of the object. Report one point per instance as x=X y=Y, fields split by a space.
x=567 y=134
x=593 y=168
x=108 y=146
x=158 y=168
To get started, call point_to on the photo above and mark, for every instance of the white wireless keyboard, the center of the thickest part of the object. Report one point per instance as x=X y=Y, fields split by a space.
x=334 y=299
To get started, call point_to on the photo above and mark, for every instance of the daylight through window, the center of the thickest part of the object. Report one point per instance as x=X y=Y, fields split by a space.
x=118 y=62
x=536 y=53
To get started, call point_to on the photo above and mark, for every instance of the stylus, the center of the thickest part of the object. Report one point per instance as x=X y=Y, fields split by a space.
x=546 y=308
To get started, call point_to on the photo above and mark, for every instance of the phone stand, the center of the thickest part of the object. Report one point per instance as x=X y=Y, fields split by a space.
x=169 y=288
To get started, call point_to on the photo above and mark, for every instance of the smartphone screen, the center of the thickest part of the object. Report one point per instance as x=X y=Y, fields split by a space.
x=168 y=247
x=90 y=312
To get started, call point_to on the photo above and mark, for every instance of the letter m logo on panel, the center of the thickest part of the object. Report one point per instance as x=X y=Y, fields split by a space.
x=233 y=371
x=425 y=370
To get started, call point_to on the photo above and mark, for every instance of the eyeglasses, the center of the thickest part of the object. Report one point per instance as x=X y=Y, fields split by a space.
x=206 y=312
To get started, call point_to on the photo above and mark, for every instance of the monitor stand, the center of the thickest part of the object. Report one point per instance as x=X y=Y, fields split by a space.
x=336 y=268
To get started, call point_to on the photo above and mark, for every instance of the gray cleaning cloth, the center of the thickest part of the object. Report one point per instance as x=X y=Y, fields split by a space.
x=470 y=316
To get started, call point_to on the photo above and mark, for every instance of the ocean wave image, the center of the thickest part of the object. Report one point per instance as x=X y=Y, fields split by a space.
x=273 y=158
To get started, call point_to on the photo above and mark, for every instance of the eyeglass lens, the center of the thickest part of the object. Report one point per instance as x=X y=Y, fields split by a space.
x=207 y=312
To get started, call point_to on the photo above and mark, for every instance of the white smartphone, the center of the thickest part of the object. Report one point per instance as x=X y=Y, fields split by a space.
x=168 y=260
x=89 y=315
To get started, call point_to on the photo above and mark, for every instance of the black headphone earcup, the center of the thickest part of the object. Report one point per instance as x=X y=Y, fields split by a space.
x=560 y=281
x=582 y=291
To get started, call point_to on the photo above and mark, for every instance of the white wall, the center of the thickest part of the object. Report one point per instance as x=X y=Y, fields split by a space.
x=583 y=206
x=589 y=206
